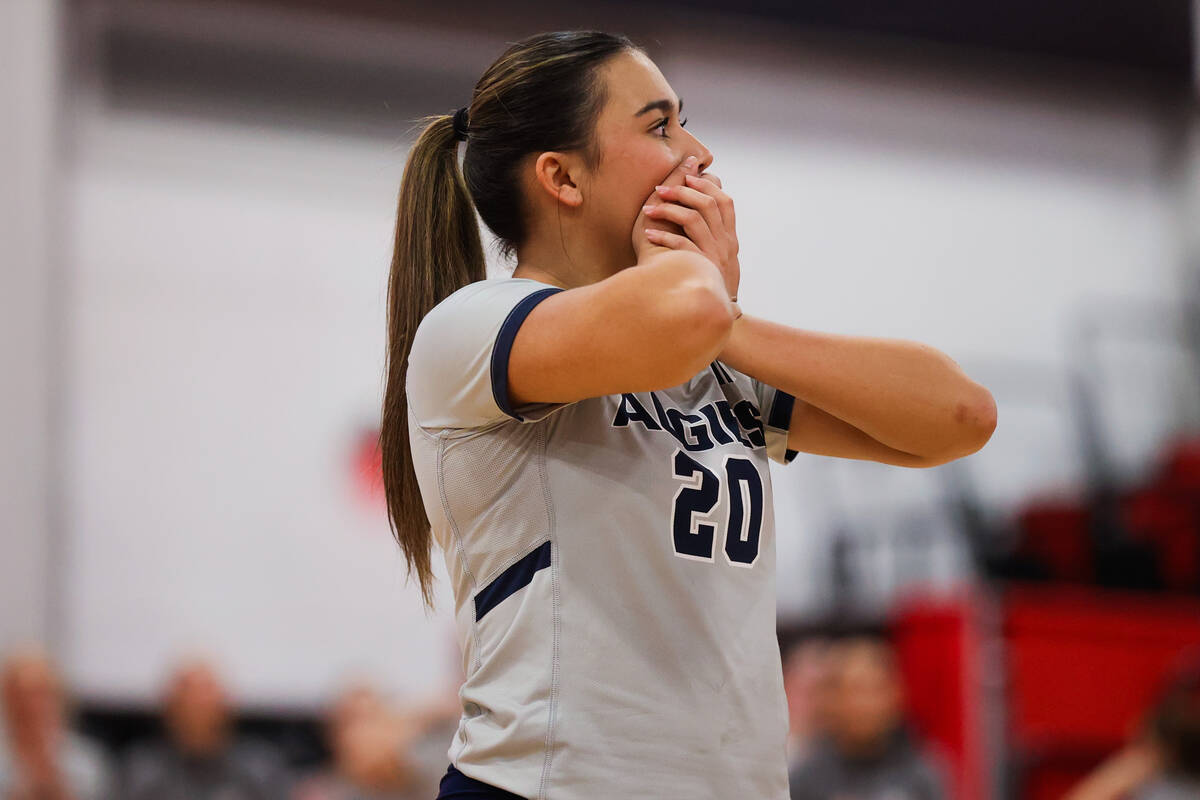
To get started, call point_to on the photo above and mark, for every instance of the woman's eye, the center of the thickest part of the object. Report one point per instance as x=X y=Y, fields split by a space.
x=663 y=125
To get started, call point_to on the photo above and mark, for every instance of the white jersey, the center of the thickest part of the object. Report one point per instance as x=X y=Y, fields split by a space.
x=613 y=567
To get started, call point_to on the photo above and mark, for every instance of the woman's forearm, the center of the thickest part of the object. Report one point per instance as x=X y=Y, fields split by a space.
x=1120 y=774
x=905 y=394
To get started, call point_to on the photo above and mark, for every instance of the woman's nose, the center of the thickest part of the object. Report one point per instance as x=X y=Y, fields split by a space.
x=704 y=156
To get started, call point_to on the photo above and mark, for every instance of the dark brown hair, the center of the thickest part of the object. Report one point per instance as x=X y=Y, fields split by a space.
x=543 y=93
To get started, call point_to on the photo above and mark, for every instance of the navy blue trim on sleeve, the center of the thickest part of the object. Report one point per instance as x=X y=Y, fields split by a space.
x=504 y=343
x=514 y=578
x=781 y=410
x=781 y=418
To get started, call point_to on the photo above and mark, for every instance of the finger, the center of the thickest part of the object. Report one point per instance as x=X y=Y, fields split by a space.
x=692 y=221
x=671 y=240
x=697 y=198
x=724 y=201
x=712 y=176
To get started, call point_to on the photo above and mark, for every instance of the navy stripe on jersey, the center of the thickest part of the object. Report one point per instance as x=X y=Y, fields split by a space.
x=722 y=374
x=504 y=343
x=512 y=579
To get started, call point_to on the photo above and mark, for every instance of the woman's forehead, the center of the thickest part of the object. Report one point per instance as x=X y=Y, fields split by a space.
x=634 y=81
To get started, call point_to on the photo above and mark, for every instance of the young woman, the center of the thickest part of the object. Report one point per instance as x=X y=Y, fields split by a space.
x=587 y=441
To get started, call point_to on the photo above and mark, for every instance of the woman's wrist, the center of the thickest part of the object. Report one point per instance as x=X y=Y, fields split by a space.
x=733 y=347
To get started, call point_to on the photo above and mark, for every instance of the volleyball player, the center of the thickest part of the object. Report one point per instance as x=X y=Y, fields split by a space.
x=588 y=440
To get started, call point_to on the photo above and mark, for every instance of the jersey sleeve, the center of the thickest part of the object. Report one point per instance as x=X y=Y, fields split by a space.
x=458 y=365
x=775 y=407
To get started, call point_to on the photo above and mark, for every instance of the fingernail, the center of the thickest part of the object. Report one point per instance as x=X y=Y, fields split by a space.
x=647 y=208
x=690 y=162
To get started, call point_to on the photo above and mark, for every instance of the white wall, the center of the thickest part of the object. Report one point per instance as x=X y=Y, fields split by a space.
x=227 y=325
x=29 y=95
x=227 y=355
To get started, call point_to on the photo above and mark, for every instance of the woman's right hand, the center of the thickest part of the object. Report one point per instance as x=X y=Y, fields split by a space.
x=643 y=248
x=698 y=202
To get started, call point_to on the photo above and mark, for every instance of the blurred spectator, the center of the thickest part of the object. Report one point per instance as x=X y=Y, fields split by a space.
x=378 y=752
x=201 y=759
x=40 y=757
x=865 y=751
x=805 y=664
x=1162 y=762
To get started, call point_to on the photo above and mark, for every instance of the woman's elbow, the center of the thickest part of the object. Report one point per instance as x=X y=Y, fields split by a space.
x=973 y=423
x=982 y=416
x=975 y=420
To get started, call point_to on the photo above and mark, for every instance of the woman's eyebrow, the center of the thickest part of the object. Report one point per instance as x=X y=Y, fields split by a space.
x=664 y=105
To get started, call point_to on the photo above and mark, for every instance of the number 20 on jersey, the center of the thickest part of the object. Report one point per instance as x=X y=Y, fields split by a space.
x=694 y=521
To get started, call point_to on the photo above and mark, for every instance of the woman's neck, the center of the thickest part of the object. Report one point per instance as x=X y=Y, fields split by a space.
x=551 y=263
x=524 y=270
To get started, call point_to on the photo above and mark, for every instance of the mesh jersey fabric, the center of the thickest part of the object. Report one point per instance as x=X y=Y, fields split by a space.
x=613 y=567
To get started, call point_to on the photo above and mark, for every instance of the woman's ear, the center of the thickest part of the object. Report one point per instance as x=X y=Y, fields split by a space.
x=556 y=173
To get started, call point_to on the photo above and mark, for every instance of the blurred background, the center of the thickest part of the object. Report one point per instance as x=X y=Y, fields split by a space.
x=199 y=592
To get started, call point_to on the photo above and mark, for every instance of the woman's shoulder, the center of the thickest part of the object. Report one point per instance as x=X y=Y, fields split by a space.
x=456 y=374
x=479 y=305
x=490 y=290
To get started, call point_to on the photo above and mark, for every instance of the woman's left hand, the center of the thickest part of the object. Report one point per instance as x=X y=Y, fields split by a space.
x=705 y=213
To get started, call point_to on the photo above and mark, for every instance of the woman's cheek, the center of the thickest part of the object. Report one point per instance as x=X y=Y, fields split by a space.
x=653 y=164
x=666 y=167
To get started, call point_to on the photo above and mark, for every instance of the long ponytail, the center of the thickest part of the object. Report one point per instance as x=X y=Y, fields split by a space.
x=437 y=250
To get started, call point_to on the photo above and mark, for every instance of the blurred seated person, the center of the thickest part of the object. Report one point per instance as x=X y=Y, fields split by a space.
x=804 y=666
x=865 y=750
x=200 y=758
x=1162 y=761
x=41 y=758
x=380 y=753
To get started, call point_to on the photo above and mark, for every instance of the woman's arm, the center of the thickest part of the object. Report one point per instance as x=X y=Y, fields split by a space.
x=649 y=326
x=890 y=400
x=1121 y=774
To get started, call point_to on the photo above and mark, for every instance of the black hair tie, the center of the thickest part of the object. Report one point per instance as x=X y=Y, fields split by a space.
x=460 y=124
